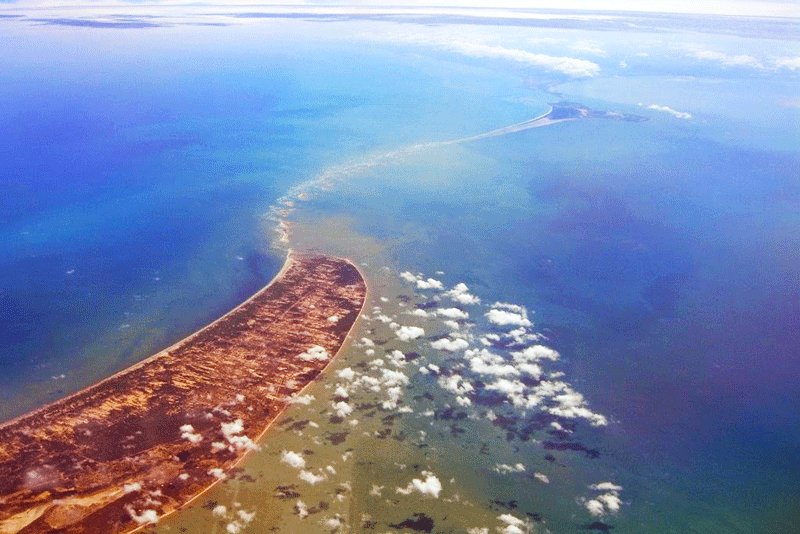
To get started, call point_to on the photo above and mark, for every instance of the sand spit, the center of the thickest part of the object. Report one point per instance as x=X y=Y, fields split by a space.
x=117 y=456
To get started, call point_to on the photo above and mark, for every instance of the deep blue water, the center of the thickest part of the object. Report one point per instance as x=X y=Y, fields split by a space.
x=130 y=213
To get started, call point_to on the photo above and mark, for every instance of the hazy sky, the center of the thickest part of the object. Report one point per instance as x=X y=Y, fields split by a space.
x=781 y=8
x=744 y=7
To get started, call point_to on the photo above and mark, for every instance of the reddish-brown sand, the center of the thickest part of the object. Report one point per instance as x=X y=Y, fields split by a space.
x=113 y=456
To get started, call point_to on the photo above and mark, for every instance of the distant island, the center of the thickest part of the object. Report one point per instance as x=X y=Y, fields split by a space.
x=573 y=110
x=144 y=442
x=559 y=112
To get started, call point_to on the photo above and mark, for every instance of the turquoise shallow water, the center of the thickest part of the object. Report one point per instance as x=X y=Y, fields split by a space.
x=660 y=257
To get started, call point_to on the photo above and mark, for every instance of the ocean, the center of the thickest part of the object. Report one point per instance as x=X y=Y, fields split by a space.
x=140 y=169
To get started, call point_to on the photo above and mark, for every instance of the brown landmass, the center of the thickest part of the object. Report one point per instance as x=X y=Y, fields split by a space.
x=117 y=455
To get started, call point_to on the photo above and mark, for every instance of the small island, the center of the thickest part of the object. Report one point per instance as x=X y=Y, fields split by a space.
x=126 y=451
x=559 y=112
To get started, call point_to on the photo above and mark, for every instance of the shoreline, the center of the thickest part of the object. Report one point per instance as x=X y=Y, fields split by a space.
x=150 y=399
x=260 y=437
x=35 y=411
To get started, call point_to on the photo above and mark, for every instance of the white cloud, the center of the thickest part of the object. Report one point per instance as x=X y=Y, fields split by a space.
x=508 y=306
x=452 y=313
x=301 y=509
x=463 y=401
x=605 y=486
x=578 y=68
x=460 y=293
x=383 y=318
x=232 y=428
x=392 y=378
x=589 y=48
x=535 y=353
x=393 y=396
x=342 y=409
x=311 y=478
x=216 y=472
x=507 y=318
x=430 y=486
x=147 y=517
x=481 y=366
x=791 y=63
x=430 y=283
x=408 y=333
x=530 y=369
x=397 y=358
x=506 y=386
x=346 y=374
x=452 y=325
x=608 y=502
x=483 y=362
x=611 y=501
x=245 y=515
x=788 y=63
x=450 y=345
x=314 y=353
x=232 y=433
x=726 y=60
x=595 y=508
x=301 y=399
x=132 y=487
x=504 y=469
x=490 y=339
x=666 y=109
x=541 y=477
x=332 y=523
x=408 y=277
x=220 y=510
x=455 y=384
x=188 y=433
x=513 y=525
x=293 y=459
x=571 y=405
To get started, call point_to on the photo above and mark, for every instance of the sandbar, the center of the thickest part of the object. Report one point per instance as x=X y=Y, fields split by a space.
x=118 y=455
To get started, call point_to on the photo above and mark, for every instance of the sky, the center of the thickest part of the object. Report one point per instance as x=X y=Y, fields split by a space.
x=776 y=8
x=727 y=7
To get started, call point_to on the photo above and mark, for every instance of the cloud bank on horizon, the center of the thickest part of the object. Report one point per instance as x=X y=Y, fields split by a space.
x=768 y=8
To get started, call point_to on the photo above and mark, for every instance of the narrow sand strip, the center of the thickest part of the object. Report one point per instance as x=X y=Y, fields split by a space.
x=144 y=442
